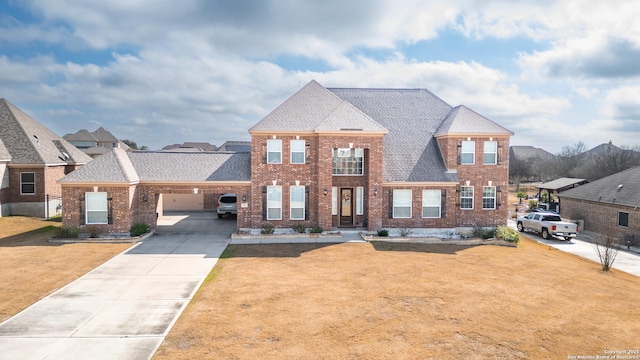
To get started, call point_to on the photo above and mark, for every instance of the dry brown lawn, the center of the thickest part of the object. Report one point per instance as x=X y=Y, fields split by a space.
x=32 y=268
x=391 y=301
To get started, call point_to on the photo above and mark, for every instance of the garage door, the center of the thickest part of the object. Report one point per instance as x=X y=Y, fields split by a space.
x=182 y=202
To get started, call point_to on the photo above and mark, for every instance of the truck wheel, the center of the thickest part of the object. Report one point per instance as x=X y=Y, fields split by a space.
x=545 y=234
x=520 y=227
x=220 y=216
x=568 y=238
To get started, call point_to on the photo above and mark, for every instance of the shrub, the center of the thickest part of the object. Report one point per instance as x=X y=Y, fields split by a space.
x=267 y=228
x=405 y=232
x=521 y=195
x=484 y=233
x=138 y=229
x=316 y=230
x=67 y=232
x=300 y=228
x=533 y=204
x=507 y=234
x=94 y=231
x=383 y=232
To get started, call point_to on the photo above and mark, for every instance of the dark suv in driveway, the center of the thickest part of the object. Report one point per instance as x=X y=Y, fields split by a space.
x=227 y=205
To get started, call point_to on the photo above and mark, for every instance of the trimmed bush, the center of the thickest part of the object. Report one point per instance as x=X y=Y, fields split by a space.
x=299 y=228
x=267 y=228
x=383 y=233
x=507 y=234
x=484 y=233
x=138 y=229
x=67 y=232
x=94 y=231
x=316 y=230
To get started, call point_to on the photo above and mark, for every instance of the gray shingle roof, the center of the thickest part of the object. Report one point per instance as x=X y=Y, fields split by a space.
x=80 y=135
x=29 y=142
x=462 y=120
x=519 y=152
x=561 y=183
x=607 y=190
x=101 y=134
x=142 y=166
x=313 y=109
x=412 y=116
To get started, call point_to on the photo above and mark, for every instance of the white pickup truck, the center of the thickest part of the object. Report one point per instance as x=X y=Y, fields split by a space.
x=548 y=225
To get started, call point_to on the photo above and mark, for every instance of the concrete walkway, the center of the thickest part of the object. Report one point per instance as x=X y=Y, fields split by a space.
x=583 y=246
x=121 y=310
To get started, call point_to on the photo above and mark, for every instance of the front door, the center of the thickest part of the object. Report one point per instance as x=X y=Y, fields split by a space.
x=346 y=207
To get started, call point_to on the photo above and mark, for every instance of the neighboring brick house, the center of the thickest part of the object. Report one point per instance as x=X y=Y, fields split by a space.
x=32 y=159
x=340 y=158
x=609 y=206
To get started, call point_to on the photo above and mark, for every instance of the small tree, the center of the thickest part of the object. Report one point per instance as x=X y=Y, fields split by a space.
x=607 y=250
x=521 y=195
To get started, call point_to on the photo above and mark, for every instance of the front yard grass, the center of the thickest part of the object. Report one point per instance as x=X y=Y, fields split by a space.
x=32 y=268
x=395 y=300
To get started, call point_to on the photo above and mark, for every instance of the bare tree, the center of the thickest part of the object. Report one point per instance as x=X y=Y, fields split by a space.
x=607 y=250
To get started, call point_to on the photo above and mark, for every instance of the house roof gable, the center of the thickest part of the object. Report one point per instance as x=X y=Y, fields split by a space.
x=464 y=121
x=30 y=142
x=4 y=153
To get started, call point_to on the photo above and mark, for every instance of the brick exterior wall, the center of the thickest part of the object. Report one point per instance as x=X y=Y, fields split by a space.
x=128 y=205
x=316 y=174
x=478 y=176
x=601 y=218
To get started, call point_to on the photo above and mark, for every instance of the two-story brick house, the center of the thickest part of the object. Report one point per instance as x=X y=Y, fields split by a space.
x=334 y=158
x=32 y=160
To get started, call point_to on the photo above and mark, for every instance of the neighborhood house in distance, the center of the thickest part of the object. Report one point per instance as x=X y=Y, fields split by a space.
x=327 y=157
x=95 y=143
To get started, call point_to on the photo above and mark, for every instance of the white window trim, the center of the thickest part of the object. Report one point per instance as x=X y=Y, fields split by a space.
x=87 y=210
x=494 y=197
x=467 y=197
x=495 y=153
x=291 y=207
x=269 y=150
x=304 y=150
x=359 y=200
x=403 y=206
x=23 y=183
x=269 y=188
x=334 y=200
x=472 y=153
x=429 y=205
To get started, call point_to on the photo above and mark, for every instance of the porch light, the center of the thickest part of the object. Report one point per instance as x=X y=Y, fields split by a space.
x=244 y=198
x=375 y=192
x=145 y=198
x=326 y=191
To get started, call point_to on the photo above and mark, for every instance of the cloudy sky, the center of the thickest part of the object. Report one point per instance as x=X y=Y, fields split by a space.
x=161 y=72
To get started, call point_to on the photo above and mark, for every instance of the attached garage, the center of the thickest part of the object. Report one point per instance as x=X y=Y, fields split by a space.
x=182 y=202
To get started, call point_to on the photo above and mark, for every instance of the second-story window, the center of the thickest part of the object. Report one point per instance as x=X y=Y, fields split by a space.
x=348 y=161
x=468 y=153
x=490 y=152
x=274 y=151
x=297 y=151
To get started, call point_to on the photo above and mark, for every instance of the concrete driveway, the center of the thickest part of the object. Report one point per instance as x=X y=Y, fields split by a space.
x=124 y=308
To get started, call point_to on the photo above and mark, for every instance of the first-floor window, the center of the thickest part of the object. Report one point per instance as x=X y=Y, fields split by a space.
x=359 y=200
x=274 y=202
x=431 y=203
x=466 y=197
x=97 y=208
x=297 y=202
x=489 y=197
x=623 y=219
x=27 y=183
x=401 y=203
